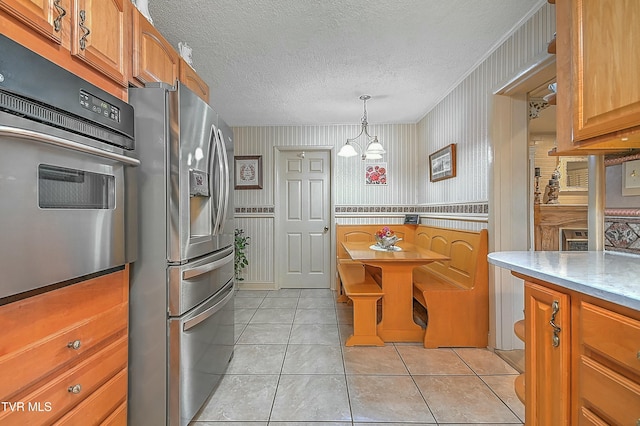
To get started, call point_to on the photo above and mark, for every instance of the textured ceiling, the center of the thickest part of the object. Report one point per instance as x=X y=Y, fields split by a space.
x=299 y=62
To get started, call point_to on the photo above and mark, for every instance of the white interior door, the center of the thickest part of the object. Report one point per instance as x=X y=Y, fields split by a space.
x=304 y=205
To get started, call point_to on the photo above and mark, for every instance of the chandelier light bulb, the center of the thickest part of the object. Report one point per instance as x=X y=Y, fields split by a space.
x=347 y=150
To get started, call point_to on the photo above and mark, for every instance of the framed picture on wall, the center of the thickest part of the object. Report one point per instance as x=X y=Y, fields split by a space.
x=442 y=163
x=248 y=172
x=375 y=173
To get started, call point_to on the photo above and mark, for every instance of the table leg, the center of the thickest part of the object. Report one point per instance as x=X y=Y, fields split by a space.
x=397 y=323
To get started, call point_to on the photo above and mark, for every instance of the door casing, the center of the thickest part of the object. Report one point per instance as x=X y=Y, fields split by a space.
x=331 y=203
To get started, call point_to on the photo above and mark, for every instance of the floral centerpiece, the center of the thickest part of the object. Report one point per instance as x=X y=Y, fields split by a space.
x=386 y=238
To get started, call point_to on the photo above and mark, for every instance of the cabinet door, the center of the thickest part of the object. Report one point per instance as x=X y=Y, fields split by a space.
x=547 y=352
x=154 y=59
x=100 y=36
x=193 y=81
x=43 y=16
x=606 y=91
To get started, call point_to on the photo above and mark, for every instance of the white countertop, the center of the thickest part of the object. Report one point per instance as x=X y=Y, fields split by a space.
x=613 y=277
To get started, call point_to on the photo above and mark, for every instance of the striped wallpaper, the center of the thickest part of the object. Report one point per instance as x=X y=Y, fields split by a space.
x=461 y=118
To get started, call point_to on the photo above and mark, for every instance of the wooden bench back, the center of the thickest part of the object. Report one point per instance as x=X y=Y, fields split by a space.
x=467 y=249
x=365 y=233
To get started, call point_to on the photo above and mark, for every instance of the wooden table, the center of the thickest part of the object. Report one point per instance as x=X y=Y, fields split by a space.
x=397 y=323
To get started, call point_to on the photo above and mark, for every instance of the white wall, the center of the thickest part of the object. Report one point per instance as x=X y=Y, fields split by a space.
x=614 y=197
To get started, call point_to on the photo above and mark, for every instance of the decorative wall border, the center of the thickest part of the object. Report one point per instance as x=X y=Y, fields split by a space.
x=622 y=212
x=244 y=210
x=471 y=208
x=614 y=161
x=622 y=226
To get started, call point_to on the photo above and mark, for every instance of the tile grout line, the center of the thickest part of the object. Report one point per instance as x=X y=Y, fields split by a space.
x=284 y=358
x=344 y=367
x=415 y=383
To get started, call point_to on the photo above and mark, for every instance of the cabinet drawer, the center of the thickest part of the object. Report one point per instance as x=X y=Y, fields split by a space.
x=37 y=330
x=587 y=418
x=611 y=334
x=118 y=417
x=101 y=405
x=57 y=396
x=604 y=391
x=35 y=361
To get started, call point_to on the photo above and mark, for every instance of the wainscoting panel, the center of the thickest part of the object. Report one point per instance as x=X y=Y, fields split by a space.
x=261 y=249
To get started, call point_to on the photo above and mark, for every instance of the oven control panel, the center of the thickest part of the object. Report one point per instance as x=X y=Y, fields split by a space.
x=97 y=105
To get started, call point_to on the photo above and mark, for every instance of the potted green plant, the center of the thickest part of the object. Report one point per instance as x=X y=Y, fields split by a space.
x=241 y=261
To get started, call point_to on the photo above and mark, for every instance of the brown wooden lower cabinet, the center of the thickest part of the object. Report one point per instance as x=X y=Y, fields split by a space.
x=547 y=352
x=582 y=358
x=64 y=355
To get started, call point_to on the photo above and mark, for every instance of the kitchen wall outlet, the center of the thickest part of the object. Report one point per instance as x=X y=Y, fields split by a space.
x=631 y=178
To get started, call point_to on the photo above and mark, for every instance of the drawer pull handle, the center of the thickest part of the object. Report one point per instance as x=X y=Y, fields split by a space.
x=555 y=307
x=74 y=389
x=74 y=345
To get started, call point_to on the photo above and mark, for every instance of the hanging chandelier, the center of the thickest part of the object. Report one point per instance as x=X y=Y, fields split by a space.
x=373 y=149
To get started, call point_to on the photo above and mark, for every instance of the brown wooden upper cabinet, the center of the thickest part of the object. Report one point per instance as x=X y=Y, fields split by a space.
x=598 y=105
x=193 y=81
x=99 y=36
x=94 y=32
x=46 y=17
x=155 y=60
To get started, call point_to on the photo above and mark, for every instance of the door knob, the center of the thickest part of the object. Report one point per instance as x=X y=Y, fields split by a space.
x=326 y=229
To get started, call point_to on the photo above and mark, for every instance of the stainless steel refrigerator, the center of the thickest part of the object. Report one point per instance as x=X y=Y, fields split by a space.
x=182 y=288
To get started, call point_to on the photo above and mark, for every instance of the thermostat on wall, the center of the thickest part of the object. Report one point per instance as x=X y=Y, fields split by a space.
x=411 y=219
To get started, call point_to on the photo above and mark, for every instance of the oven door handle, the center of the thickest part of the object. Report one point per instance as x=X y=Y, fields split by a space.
x=64 y=143
x=189 y=324
x=200 y=270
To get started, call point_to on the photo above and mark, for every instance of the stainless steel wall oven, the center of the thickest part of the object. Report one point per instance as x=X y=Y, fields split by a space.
x=64 y=164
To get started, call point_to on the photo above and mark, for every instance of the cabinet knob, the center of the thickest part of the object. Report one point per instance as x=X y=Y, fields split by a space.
x=74 y=389
x=74 y=345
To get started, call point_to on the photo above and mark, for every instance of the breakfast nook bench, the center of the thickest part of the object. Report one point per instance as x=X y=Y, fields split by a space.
x=455 y=292
x=362 y=289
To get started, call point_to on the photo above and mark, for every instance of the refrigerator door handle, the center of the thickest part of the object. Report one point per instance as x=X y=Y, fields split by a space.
x=213 y=138
x=220 y=184
x=227 y=178
x=208 y=267
x=189 y=324
x=213 y=152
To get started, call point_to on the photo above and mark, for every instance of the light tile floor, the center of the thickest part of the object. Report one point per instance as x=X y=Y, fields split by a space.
x=291 y=367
